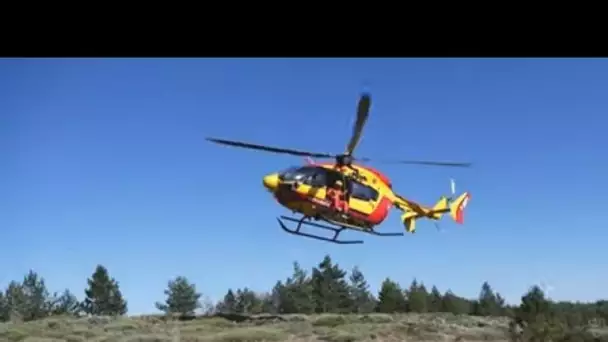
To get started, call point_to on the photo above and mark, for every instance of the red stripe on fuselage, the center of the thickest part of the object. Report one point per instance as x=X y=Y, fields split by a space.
x=381 y=211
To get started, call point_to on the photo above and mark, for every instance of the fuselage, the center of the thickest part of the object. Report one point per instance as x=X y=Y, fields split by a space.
x=304 y=190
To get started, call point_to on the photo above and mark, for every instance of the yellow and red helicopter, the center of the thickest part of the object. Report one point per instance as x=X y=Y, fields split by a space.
x=345 y=195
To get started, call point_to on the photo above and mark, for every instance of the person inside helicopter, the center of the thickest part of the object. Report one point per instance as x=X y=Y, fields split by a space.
x=319 y=177
x=337 y=187
x=338 y=194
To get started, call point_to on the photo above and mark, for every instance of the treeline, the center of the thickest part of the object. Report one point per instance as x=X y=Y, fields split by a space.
x=327 y=288
x=30 y=299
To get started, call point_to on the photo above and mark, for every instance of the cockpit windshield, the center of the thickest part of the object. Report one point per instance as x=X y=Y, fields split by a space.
x=289 y=173
x=320 y=177
x=298 y=173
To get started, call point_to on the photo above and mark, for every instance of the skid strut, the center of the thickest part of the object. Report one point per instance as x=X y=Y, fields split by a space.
x=337 y=230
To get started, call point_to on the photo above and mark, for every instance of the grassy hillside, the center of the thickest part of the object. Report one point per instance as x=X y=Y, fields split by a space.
x=34 y=314
x=375 y=327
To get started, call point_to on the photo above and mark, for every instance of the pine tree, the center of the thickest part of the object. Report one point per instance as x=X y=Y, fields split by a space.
x=103 y=296
x=182 y=297
x=296 y=295
x=66 y=304
x=276 y=299
x=35 y=298
x=417 y=297
x=281 y=300
x=330 y=289
x=363 y=300
x=16 y=302
x=488 y=303
x=4 y=312
x=26 y=301
x=434 y=300
x=228 y=304
x=390 y=298
x=454 y=304
x=247 y=302
x=37 y=295
x=268 y=303
x=535 y=320
x=533 y=305
x=601 y=309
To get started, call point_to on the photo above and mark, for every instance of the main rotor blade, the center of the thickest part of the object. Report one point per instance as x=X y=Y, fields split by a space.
x=416 y=162
x=270 y=149
x=431 y=163
x=362 y=114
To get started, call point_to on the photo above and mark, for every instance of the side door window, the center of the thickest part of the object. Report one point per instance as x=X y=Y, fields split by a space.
x=331 y=177
x=363 y=192
x=362 y=197
x=318 y=178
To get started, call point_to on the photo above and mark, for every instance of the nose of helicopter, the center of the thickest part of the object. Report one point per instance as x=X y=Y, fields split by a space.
x=271 y=181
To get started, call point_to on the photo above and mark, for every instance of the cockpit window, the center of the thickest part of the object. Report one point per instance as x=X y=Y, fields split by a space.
x=309 y=175
x=320 y=177
x=288 y=174
x=292 y=173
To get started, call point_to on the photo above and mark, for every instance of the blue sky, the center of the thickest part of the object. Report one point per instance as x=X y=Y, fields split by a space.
x=104 y=161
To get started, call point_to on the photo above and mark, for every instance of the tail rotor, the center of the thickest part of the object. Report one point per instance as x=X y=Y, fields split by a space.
x=453 y=188
x=450 y=198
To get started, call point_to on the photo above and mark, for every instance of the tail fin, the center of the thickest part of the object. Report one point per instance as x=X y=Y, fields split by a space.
x=409 y=220
x=439 y=208
x=457 y=207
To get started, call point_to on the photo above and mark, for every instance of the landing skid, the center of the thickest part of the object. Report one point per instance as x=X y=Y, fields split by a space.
x=339 y=227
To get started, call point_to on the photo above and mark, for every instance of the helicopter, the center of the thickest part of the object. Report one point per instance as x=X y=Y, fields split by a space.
x=344 y=194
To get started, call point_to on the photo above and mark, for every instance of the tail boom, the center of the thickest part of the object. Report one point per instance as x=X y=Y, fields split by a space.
x=414 y=211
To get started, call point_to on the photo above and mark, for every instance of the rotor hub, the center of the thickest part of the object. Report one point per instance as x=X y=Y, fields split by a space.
x=344 y=160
